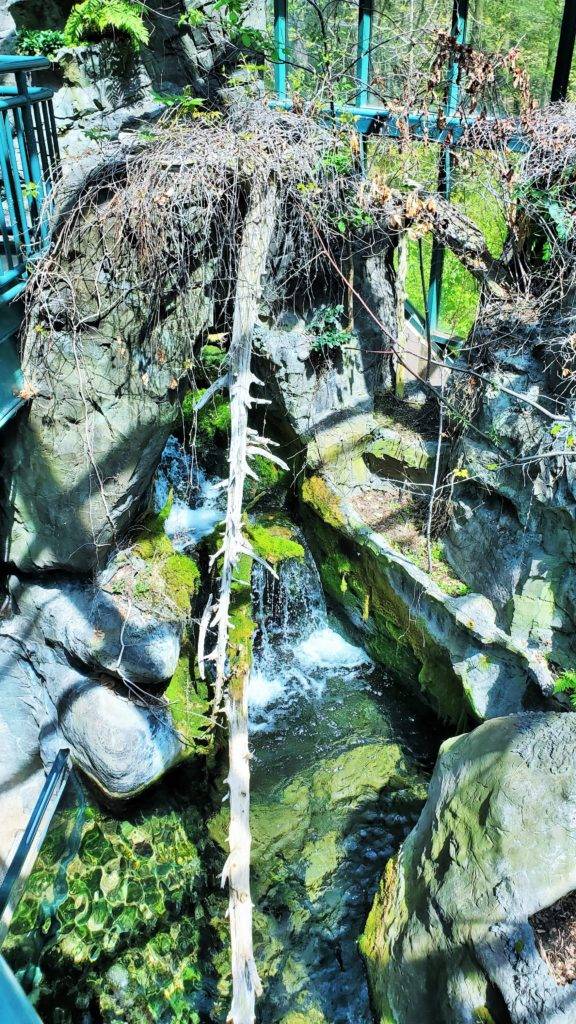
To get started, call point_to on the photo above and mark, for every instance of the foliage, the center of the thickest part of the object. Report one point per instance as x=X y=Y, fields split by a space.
x=566 y=683
x=184 y=104
x=44 y=42
x=326 y=328
x=92 y=19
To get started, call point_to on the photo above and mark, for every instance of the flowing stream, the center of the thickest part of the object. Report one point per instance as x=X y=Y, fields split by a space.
x=335 y=788
x=123 y=917
x=337 y=775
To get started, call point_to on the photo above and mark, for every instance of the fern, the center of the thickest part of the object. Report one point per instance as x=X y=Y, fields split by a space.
x=95 y=17
x=566 y=683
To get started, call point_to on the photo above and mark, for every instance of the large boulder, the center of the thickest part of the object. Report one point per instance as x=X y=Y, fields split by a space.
x=449 y=939
x=48 y=704
x=104 y=357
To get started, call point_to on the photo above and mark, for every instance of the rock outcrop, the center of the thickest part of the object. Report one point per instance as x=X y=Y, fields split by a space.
x=449 y=939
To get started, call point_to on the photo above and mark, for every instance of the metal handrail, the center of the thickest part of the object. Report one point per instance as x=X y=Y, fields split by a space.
x=29 y=163
x=34 y=834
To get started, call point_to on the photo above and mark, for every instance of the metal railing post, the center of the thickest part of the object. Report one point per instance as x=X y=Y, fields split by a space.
x=458 y=33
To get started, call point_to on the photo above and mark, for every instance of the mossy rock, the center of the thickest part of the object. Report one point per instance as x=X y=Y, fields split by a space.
x=166 y=573
x=189 y=702
x=274 y=539
x=212 y=424
x=272 y=481
x=392 y=633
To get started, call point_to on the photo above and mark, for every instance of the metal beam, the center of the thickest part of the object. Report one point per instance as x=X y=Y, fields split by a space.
x=458 y=33
x=565 y=52
x=365 y=18
x=281 y=44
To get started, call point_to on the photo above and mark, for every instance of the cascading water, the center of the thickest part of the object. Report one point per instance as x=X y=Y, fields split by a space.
x=334 y=783
x=198 y=502
x=334 y=793
x=296 y=649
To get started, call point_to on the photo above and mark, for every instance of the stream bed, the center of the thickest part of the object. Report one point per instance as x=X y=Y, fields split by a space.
x=131 y=928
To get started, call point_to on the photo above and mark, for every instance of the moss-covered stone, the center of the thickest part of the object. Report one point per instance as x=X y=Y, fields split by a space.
x=166 y=573
x=319 y=497
x=274 y=539
x=212 y=423
x=189 y=702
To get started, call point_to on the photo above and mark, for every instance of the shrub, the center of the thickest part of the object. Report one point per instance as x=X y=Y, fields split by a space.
x=92 y=19
x=44 y=42
x=326 y=326
x=566 y=683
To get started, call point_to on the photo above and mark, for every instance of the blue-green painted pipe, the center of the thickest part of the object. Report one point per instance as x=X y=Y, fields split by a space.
x=365 y=18
x=281 y=44
x=458 y=32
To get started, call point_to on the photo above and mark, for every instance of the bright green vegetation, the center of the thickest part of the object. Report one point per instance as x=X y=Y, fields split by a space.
x=167 y=572
x=189 y=701
x=45 y=42
x=212 y=422
x=566 y=683
x=273 y=539
x=478 y=193
x=92 y=19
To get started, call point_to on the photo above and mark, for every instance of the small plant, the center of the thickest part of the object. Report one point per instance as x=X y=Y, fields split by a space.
x=326 y=326
x=566 y=683
x=93 y=19
x=192 y=18
x=185 y=104
x=44 y=42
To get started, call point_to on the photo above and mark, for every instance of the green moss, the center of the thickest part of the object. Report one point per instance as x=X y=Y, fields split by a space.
x=189 y=702
x=212 y=423
x=317 y=494
x=182 y=578
x=356 y=577
x=242 y=625
x=271 y=479
x=373 y=942
x=213 y=359
x=168 y=574
x=273 y=540
x=482 y=1015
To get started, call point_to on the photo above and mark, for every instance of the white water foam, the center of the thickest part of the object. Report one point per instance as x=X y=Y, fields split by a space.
x=297 y=651
x=198 y=502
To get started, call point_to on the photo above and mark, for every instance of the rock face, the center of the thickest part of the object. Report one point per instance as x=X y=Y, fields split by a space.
x=448 y=940
x=465 y=664
x=79 y=463
x=104 y=631
x=520 y=521
x=122 y=746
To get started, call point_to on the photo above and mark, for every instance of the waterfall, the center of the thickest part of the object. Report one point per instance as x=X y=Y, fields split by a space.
x=296 y=649
x=198 y=502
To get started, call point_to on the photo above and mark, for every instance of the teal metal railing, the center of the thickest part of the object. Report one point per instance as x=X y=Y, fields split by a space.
x=28 y=848
x=372 y=116
x=29 y=164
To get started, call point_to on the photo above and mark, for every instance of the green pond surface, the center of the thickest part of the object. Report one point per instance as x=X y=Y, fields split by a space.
x=123 y=920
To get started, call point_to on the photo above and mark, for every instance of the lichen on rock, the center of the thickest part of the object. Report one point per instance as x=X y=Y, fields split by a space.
x=495 y=844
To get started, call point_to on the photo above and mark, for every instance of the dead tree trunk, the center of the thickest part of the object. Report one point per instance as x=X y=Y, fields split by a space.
x=256 y=238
